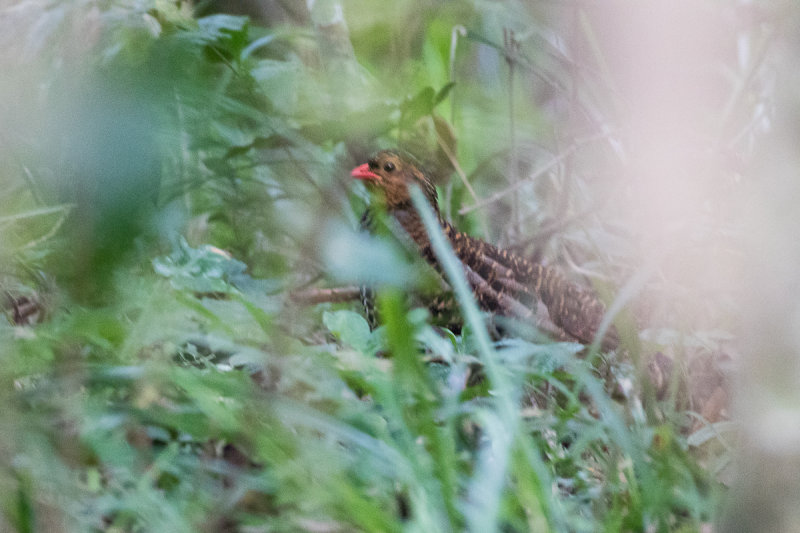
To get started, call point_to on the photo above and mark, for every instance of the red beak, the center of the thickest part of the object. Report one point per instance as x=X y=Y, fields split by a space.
x=362 y=172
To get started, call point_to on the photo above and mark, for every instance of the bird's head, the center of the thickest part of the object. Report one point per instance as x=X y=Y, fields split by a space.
x=392 y=173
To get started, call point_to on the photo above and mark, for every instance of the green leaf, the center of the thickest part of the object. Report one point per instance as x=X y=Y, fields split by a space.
x=358 y=257
x=223 y=27
x=259 y=143
x=204 y=270
x=348 y=327
x=443 y=93
x=417 y=106
x=527 y=357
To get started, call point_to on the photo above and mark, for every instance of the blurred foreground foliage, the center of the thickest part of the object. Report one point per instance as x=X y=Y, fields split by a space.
x=172 y=172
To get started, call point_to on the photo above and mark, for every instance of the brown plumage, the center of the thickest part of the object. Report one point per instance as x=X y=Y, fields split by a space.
x=503 y=283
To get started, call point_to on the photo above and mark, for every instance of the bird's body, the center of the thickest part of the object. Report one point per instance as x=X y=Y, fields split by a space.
x=503 y=282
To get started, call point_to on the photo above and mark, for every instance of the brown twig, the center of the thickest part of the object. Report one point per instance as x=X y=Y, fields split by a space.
x=332 y=295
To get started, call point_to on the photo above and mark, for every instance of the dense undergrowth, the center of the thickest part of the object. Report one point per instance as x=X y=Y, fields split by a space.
x=172 y=176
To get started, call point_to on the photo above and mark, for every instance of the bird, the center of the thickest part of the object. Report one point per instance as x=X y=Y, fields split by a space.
x=503 y=283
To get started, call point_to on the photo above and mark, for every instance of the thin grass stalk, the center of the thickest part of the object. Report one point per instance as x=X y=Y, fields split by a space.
x=487 y=486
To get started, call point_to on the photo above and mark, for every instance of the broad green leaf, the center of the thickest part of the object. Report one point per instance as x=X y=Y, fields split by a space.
x=204 y=270
x=349 y=327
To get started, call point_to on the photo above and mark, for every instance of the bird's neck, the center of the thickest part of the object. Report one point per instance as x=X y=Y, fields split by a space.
x=411 y=221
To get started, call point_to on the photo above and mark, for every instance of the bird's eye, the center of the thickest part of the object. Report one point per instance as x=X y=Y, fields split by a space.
x=388 y=167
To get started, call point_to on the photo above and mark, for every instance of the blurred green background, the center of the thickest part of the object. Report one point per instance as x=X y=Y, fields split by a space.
x=174 y=172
